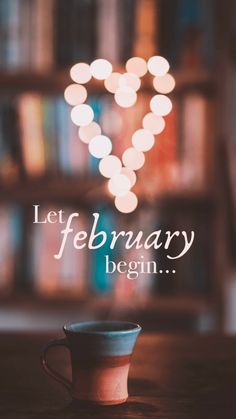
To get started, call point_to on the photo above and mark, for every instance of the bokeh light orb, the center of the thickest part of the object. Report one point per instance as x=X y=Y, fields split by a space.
x=153 y=123
x=136 y=65
x=82 y=115
x=112 y=82
x=75 y=94
x=143 y=140
x=130 y=175
x=126 y=203
x=133 y=158
x=80 y=73
x=130 y=80
x=100 y=146
x=158 y=66
x=101 y=69
x=110 y=166
x=125 y=97
x=87 y=132
x=119 y=185
x=164 y=84
x=160 y=105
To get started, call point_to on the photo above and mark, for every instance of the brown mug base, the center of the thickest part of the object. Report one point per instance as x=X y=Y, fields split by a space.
x=98 y=402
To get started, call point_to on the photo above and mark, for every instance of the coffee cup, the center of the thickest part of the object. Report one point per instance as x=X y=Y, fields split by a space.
x=100 y=353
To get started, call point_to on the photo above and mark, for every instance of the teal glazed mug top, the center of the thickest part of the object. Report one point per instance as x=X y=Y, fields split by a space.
x=100 y=354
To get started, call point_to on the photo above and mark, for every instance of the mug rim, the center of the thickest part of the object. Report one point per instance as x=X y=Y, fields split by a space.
x=135 y=327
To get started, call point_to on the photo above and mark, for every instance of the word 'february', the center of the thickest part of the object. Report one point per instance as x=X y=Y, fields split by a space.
x=97 y=238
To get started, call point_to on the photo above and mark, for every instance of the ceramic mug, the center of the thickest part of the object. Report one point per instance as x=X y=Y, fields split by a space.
x=100 y=358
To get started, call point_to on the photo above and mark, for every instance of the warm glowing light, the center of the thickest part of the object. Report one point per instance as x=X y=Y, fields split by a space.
x=87 y=132
x=125 y=97
x=75 y=94
x=80 y=73
x=100 y=146
x=119 y=185
x=133 y=158
x=130 y=80
x=100 y=69
x=136 y=65
x=160 y=105
x=143 y=140
x=164 y=84
x=110 y=166
x=112 y=82
x=82 y=115
x=124 y=87
x=158 y=66
x=126 y=203
x=153 y=123
x=130 y=175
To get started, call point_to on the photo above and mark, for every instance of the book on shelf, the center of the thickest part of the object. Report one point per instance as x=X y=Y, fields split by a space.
x=67 y=276
x=32 y=136
x=50 y=134
x=101 y=281
x=107 y=22
x=136 y=284
x=195 y=138
x=10 y=153
x=10 y=246
x=146 y=28
x=43 y=45
x=62 y=121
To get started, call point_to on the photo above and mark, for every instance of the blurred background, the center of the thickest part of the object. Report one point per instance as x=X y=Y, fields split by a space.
x=187 y=183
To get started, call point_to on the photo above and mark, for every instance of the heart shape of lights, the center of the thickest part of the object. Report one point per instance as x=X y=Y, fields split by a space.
x=124 y=87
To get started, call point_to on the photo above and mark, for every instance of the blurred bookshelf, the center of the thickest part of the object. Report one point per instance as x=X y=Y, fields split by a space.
x=42 y=161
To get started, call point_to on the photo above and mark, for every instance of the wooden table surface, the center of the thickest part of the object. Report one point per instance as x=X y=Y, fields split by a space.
x=171 y=377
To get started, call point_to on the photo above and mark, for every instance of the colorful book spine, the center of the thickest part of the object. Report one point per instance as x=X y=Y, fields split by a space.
x=50 y=130
x=46 y=269
x=62 y=277
x=14 y=30
x=161 y=164
x=107 y=22
x=74 y=262
x=43 y=57
x=102 y=282
x=32 y=138
x=194 y=140
x=10 y=243
x=145 y=34
x=78 y=152
x=62 y=115
x=95 y=103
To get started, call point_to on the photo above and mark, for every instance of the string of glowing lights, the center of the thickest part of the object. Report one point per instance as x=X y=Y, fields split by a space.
x=121 y=178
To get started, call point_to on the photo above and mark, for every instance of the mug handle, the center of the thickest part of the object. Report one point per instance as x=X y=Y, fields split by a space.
x=50 y=371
